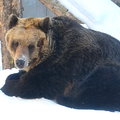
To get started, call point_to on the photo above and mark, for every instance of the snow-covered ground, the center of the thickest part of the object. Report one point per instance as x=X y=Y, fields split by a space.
x=101 y=15
x=13 y=108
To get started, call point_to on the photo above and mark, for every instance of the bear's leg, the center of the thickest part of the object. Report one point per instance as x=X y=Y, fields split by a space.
x=22 y=85
x=100 y=90
x=11 y=82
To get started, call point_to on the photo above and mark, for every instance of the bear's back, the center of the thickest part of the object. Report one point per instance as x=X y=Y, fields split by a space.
x=72 y=35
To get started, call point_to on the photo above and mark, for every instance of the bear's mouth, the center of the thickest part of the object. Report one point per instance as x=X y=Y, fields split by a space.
x=23 y=64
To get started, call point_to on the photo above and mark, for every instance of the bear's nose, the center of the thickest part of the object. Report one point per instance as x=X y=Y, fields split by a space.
x=20 y=63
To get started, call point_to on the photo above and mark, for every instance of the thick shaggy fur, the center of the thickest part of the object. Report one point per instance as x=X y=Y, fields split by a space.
x=82 y=71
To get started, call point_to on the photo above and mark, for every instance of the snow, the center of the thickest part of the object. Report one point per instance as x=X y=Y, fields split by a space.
x=12 y=108
x=101 y=15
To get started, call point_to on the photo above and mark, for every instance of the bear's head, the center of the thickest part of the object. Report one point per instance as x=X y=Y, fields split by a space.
x=26 y=41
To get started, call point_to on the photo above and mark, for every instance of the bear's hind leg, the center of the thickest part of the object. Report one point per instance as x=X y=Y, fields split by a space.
x=101 y=91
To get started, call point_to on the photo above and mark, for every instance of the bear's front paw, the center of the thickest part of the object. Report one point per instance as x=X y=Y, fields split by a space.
x=9 y=88
x=14 y=76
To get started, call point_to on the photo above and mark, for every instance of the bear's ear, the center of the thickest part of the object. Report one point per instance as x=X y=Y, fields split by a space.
x=13 y=19
x=44 y=24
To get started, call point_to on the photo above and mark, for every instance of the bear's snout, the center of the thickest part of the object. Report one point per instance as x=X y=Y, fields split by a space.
x=20 y=63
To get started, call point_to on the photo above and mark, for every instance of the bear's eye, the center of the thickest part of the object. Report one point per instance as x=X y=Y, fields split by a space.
x=14 y=45
x=31 y=48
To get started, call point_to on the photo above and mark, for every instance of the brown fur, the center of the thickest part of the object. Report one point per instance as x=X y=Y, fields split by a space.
x=25 y=33
x=68 y=88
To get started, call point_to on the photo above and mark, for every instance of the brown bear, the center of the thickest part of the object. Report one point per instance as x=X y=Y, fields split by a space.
x=63 y=61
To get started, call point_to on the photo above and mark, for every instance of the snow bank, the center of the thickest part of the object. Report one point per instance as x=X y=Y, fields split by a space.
x=100 y=15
